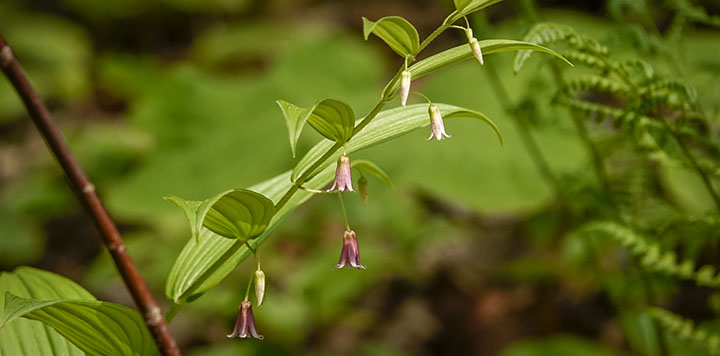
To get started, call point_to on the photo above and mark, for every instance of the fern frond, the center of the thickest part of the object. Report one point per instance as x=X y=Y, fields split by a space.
x=596 y=83
x=686 y=329
x=652 y=257
x=590 y=109
x=588 y=59
x=546 y=33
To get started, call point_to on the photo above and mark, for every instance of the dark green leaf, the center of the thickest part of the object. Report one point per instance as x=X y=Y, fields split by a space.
x=397 y=32
x=239 y=214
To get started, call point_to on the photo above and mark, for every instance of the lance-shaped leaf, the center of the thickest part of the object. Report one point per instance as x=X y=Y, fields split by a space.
x=97 y=328
x=295 y=118
x=463 y=52
x=333 y=119
x=397 y=32
x=202 y=264
x=387 y=125
x=369 y=167
x=27 y=337
x=239 y=214
x=466 y=7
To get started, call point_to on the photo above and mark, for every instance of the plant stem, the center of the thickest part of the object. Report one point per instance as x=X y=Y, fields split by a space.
x=531 y=146
x=696 y=166
x=342 y=205
x=595 y=157
x=85 y=193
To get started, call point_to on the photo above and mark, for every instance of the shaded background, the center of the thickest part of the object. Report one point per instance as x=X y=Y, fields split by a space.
x=470 y=255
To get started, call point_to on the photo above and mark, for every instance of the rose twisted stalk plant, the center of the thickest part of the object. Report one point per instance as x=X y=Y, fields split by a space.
x=229 y=227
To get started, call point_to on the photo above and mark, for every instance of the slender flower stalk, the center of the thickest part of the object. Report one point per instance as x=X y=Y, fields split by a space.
x=343 y=175
x=350 y=254
x=405 y=80
x=437 y=127
x=363 y=189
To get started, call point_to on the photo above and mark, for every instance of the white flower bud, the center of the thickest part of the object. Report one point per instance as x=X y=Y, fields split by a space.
x=405 y=79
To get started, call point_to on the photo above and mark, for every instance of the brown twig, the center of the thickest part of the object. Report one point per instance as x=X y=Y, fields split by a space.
x=85 y=192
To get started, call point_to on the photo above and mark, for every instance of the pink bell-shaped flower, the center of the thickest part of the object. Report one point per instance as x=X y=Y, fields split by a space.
x=350 y=254
x=343 y=176
x=245 y=324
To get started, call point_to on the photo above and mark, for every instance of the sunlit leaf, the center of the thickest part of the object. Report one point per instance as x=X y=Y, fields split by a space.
x=98 y=328
x=466 y=7
x=387 y=125
x=463 y=52
x=397 y=32
x=27 y=337
x=295 y=118
x=239 y=214
x=333 y=119
x=369 y=167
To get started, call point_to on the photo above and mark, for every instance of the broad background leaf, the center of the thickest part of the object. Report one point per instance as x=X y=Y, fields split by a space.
x=98 y=328
x=398 y=33
x=31 y=338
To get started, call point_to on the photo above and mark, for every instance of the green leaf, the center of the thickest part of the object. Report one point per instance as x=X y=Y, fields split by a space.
x=195 y=211
x=397 y=32
x=295 y=118
x=27 y=337
x=333 y=119
x=466 y=7
x=387 y=125
x=189 y=277
x=239 y=214
x=98 y=328
x=463 y=52
x=372 y=168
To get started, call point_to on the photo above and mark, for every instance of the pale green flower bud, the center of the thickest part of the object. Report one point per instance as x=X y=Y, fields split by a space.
x=363 y=189
x=259 y=285
x=405 y=80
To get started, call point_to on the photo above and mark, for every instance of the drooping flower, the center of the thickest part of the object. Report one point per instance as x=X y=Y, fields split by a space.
x=259 y=285
x=343 y=175
x=405 y=80
x=437 y=127
x=350 y=254
x=474 y=45
x=245 y=324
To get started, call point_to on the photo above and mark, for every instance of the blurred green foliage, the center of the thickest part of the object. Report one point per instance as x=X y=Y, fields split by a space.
x=197 y=115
